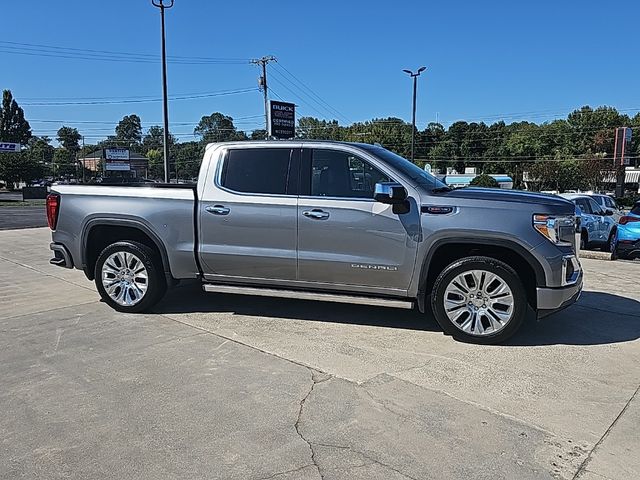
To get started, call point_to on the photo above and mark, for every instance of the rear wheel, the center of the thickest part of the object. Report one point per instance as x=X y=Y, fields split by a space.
x=479 y=300
x=584 y=240
x=129 y=277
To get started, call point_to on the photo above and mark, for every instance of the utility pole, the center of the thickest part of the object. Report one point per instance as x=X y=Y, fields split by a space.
x=414 y=76
x=161 y=5
x=262 y=81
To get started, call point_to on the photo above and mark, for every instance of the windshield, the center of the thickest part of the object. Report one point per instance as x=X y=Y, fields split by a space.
x=405 y=167
x=636 y=209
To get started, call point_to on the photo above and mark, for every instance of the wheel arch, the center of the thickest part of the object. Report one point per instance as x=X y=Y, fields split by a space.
x=445 y=251
x=100 y=232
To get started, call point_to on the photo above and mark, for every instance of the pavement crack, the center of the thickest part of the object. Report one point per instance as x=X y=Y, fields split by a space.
x=583 y=466
x=366 y=457
x=315 y=379
x=294 y=470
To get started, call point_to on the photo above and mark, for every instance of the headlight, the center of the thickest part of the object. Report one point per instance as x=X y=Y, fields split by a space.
x=558 y=230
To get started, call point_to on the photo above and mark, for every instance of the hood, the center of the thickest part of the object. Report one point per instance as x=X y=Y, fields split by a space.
x=513 y=196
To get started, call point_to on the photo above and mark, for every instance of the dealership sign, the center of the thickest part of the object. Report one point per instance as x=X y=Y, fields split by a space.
x=9 y=147
x=282 y=119
x=117 y=159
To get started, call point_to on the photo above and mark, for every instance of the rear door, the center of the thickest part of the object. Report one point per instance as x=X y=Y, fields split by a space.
x=248 y=215
x=344 y=236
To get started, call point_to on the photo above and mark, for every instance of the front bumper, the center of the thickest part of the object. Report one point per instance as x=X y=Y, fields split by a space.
x=62 y=257
x=551 y=300
x=628 y=248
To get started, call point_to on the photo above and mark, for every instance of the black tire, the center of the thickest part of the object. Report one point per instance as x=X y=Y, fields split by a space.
x=506 y=274
x=584 y=241
x=611 y=247
x=156 y=282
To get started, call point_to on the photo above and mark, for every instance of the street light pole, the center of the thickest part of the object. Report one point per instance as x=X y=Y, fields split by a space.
x=414 y=76
x=165 y=104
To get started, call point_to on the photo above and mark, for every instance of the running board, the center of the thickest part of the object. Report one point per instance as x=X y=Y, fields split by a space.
x=302 y=295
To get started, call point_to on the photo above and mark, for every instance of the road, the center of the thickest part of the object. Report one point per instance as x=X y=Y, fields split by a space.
x=15 y=217
x=232 y=387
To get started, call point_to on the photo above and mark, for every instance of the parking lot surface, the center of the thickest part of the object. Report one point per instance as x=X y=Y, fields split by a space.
x=234 y=387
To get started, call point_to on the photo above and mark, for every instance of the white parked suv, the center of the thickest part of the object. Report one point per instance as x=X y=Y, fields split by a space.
x=607 y=203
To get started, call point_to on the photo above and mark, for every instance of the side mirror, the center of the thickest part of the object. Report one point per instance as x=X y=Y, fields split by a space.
x=391 y=193
x=608 y=212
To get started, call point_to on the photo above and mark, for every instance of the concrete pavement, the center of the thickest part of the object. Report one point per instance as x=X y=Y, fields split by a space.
x=223 y=386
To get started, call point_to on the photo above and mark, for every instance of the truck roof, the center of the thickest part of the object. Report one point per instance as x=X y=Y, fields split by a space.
x=276 y=143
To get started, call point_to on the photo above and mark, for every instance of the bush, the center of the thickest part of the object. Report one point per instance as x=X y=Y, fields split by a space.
x=485 y=180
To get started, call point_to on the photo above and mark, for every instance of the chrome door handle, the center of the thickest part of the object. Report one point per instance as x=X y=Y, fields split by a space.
x=217 y=209
x=316 y=214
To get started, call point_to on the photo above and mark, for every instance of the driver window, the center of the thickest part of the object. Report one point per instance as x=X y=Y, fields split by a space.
x=584 y=205
x=341 y=174
x=596 y=210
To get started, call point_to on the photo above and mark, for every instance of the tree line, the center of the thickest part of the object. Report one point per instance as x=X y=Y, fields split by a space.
x=570 y=153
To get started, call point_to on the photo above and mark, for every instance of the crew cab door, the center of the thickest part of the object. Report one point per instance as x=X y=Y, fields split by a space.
x=344 y=236
x=248 y=215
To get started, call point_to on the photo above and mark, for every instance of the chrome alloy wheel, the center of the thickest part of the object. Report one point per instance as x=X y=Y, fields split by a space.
x=479 y=302
x=125 y=278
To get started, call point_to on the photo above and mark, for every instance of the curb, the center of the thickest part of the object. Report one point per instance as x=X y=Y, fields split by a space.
x=593 y=255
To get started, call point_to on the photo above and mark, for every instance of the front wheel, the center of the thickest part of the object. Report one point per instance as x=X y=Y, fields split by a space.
x=129 y=277
x=479 y=300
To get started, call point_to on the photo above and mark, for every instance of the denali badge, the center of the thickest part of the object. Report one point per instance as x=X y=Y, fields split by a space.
x=366 y=266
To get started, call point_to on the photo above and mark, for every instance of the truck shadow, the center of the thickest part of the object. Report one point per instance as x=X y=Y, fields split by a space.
x=597 y=319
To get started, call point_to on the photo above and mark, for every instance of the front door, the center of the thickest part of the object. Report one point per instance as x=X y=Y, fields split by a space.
x=248 y=216
x=344 y=236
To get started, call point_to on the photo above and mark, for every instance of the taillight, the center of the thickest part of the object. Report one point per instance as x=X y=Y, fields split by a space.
x=628 y=219
x=53 y=208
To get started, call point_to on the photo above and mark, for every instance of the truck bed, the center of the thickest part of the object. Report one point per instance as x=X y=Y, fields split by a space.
x=164 y=210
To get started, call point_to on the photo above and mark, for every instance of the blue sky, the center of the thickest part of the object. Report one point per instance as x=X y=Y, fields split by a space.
x=486 y=60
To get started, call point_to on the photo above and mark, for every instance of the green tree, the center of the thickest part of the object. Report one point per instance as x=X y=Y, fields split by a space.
x=218 y=128
x=13 y=126
x=187 y=157
x=156 y=163
x=129 y=130
x=484 y=180
x=19 y=167
x=154 y=139
x=259 y=134
x=64 y=158
x=314 y=128
x=69 y=138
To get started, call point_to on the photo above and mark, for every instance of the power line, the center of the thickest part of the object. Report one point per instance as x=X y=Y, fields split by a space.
x=89 y=54
x=142 y=100
x=316 y=98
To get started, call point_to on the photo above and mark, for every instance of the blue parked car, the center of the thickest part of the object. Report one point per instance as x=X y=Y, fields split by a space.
x=626 y=239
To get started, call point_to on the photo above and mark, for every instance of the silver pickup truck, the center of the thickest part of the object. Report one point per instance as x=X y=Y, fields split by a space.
x=328 y=221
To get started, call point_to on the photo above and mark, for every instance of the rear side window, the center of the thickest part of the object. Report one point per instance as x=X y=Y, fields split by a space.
x=257 y=170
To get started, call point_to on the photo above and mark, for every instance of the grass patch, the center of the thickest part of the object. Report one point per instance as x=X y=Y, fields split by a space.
x=21 y=203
